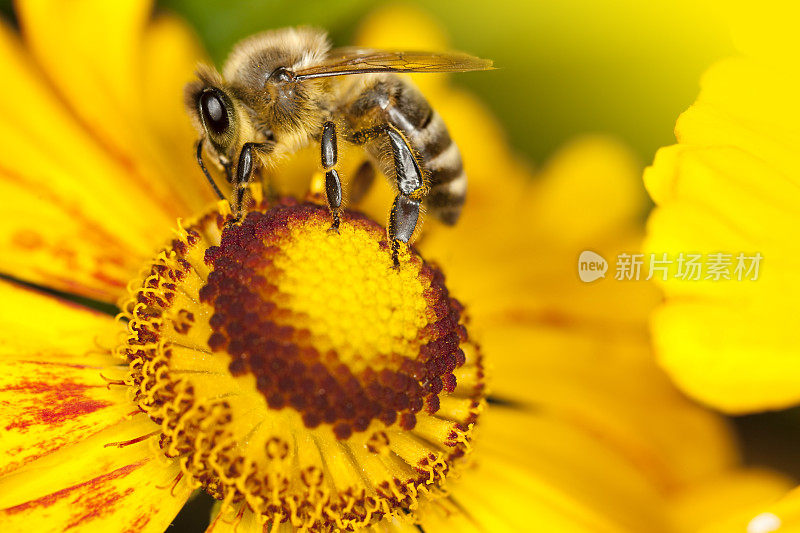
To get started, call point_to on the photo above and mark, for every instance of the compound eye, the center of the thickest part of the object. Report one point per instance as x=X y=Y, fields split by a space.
x=215 y=114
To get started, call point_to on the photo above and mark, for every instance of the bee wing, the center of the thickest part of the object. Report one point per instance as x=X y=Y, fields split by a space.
x=343 y=61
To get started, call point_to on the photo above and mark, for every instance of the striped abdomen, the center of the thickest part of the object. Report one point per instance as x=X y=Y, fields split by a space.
x=391 y=99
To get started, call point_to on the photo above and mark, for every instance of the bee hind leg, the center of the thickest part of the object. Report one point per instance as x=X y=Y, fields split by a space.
x=411 y=185
x=402 y=221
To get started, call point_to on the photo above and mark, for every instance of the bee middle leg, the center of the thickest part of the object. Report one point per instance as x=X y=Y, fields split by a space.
x=329 y=155
x=411 y=184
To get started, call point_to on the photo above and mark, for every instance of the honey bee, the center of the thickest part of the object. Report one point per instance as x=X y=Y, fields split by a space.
x=283 y=89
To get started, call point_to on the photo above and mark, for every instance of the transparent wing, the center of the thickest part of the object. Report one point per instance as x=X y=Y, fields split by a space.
x=343 y=61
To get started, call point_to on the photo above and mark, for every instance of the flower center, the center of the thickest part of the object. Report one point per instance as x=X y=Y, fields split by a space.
x=296 y=373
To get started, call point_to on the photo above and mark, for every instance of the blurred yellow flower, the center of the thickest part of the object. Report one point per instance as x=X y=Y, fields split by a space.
x=581 y=434
x=730 y=185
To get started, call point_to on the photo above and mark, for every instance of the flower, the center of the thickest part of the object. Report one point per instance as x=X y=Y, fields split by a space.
x=730 y=185
x=99 y=167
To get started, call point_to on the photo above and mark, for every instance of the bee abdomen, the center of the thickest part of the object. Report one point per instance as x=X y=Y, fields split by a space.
x=437 y=152
x=448 y=182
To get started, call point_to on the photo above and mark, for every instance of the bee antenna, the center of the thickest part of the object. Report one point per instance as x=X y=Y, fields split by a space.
x=205 y=170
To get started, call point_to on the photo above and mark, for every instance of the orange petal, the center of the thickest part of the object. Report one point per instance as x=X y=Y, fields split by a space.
x=52 y=405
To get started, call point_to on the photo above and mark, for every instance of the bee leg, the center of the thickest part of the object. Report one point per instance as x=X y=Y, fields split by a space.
x=411 y=185
x=329 y=155
x=244 y=173
x=199 y=154
x=361 y=182
x=402 y=221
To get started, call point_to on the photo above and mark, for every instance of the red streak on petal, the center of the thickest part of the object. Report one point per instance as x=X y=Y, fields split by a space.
x=58 y=363
x=27 y=239
x=102 y=277
x=56 y=402
x=140 y=522
x=88 y=500
x=72 y=286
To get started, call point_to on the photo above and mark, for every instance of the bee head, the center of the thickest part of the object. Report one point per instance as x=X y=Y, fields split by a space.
x=216 y=113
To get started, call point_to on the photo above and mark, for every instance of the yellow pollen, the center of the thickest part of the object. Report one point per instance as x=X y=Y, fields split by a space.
x=353 y=297
x=296 y=374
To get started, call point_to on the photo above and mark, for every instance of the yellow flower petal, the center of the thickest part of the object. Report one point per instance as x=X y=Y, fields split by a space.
x=547 y=240
x=404 y=27
x=731 y=185
x=590 y=190
x=782 y=516
x=537 y=470
x=499 y=497
x=709 y=502
x=766 y=29
x=90 y=51
x=170 y=52
x=93 y=222
x=51 y=405
x=609 y=386
x=736 y=372
x=246 y=522
x=58 y=416
x=750 y=210
x=102 y=198
x=90 y=487
x=49 y=328
x=51 y=388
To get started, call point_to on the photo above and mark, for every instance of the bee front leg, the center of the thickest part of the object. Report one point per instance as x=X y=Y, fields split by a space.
x=244 y=173
x=411 y=185
x=199 y=154
x=329 y=154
